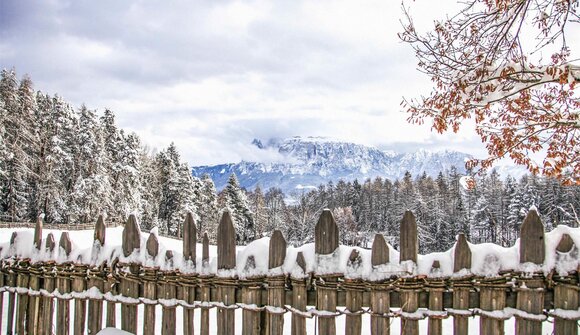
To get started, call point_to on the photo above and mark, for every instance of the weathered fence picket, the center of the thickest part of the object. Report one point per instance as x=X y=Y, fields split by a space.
x=529 y=294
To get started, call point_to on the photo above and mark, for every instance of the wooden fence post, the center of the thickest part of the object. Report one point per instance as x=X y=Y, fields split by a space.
x=64 y=287
x=226 y=257
x=22 y=280
x=325 y=244
x=95 y=279
x=32 y=324
x=47 y=303
x=531 y=291
x=150 y=287
x=11 y=282
x=112 y=287
x=276 y=292
x=435 y=287
x=461 y=286
x=492 y=297
x=129 y=284
x=566 y=293
x=409 y=296
x=380 y=297
x=299 y=298
x=354 y=296
x=252 y=298
x=2 y=283
x=205 y=288
x=79 y=284
x=187 y=288
x=168 y=292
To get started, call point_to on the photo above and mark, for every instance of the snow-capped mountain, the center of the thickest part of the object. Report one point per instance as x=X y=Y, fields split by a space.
x=306 y=162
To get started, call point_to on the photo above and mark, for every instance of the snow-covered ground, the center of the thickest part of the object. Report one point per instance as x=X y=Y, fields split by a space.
x=482 y=263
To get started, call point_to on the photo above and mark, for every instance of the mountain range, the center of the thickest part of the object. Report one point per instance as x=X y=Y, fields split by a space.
x=306 y=162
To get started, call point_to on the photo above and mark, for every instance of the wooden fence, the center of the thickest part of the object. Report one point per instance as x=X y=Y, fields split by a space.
x=41 y=292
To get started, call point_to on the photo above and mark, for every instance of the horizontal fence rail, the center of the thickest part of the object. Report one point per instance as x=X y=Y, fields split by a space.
x=45 y=282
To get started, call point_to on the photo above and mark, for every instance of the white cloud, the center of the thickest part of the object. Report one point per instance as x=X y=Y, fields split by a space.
x=211 y=76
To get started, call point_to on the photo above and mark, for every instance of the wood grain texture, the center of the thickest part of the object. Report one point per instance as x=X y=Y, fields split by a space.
x=63 y=306
x=168 y=324
x=205 y=250
x=11 y=281
x=532 y=242
x=353 y=323
x=326 y=300
x=299 y=298
x=530 y=300
x=462 y=254
x=79 y=285
x=50 y=243
x=226 y=323
x=130 y=288
x=276 y=295
x=21 y=312
x=380 y=251
x=435 y=325
x=65 y=244
x=187 y=294
x=460 y=302
x=409 y=304
x=251 y=320
x=566 y=297
x=47 y=310
x=152 y=246
x=301 y=261
x=38 y=233
x=95 y=312
x=325 y=234
x=380 y=304
x=189 y=238
x=566 y=244
x=32 y=324
x=226 y=243
x=131 y=236
x=409 y=244
x=149 y=292
x=100 y=230
x=491 y=299
x=277 y=250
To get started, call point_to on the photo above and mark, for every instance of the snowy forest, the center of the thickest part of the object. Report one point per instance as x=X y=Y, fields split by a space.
x=72 y=164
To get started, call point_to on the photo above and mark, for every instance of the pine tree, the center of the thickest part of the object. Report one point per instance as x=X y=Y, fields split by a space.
x=208 y=211
x=258 y=207
x=237 y=203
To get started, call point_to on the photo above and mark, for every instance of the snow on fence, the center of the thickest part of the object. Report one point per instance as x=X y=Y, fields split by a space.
x=534 y=281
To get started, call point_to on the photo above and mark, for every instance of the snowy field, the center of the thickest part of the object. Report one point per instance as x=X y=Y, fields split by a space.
x=83 y=241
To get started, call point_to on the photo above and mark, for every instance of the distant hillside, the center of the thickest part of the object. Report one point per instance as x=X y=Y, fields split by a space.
x=311 y=161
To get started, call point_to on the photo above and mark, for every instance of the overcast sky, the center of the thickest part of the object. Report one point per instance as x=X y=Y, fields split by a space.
x=212 y=75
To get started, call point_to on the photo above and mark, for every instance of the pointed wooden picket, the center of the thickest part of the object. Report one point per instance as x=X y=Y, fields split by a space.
x=277 y=250
x=408 y=234
x=189 y=238
x=152 y=246
x=461 y=254
x=532 y=240
x=131 y=236
x=226 y=243
x=100 y=230
x=380 y=251
x=38 y=233
x=325 y=234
